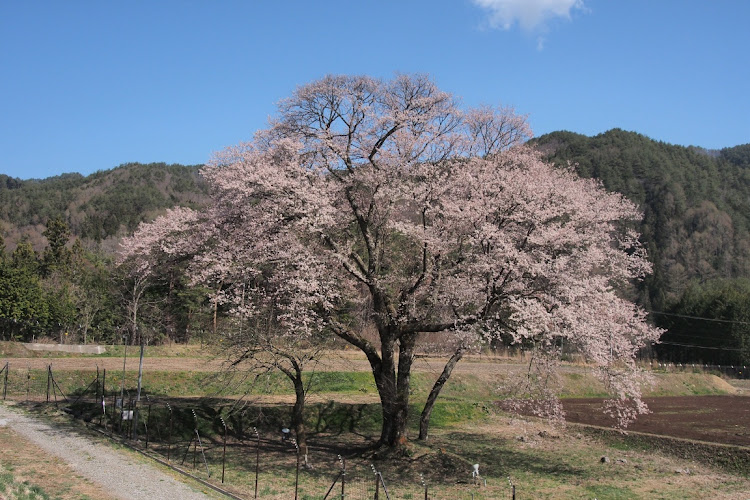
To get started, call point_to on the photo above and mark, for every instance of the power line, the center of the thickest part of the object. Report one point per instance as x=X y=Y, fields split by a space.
x=733 y=322
x=700 y=346
x=706 y=336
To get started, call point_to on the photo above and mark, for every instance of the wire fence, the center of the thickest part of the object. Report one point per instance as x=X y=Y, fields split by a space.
x=729 y=371
x=243 y=455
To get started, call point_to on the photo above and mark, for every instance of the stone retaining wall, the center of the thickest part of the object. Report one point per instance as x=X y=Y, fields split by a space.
x=75 y=348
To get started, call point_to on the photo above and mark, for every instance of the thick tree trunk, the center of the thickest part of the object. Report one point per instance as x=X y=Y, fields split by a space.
x=393 y=388
x=403 y=387
x=385 y=381
x=298 y=416
x=424 y=420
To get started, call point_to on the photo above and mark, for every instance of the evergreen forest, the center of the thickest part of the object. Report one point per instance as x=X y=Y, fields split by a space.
x=696 y=227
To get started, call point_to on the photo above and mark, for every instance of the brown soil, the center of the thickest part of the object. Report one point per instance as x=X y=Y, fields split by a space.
x=716 y=419
x=90 y=364
x=335 y=362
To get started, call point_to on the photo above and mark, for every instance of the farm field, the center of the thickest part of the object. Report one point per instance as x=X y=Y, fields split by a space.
x=716 y=419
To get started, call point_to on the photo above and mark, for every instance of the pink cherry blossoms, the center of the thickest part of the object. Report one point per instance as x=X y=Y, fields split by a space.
x=384 y=205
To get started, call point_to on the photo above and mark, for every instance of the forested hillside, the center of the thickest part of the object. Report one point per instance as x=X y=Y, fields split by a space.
x=57 y=239
x=696 y=226
x=104 y=205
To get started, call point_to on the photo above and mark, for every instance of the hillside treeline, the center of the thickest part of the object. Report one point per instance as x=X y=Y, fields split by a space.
x=696 y=227
x=58 y=279
x=100 y=207
x=68 y=293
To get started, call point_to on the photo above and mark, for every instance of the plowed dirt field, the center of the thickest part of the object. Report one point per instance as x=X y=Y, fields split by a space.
x=717 y=419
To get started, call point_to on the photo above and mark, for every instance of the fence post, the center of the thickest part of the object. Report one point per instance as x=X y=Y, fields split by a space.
x=114 y=412
x=257 y=459
x=5 y=384
x=56 y=387
x=103 y=416
x=385 y=488
x=49 y=377
x=198 y=442
x=131 y=413
x=296 y=474
x=169 y=440
x=148 y=421
x=343 y=478
x=340 y=475
x=223 y=453
x=377 y=482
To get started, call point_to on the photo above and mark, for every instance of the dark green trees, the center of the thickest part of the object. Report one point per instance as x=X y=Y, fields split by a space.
x=709 y=324
x=64 y=294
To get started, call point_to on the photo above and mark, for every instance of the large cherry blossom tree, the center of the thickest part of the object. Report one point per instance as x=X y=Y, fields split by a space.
x=384 y=205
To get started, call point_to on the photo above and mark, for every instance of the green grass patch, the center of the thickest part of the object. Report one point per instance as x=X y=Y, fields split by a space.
x=606 y=492
x=10 y=487
x=449 y=412
x=343 y=382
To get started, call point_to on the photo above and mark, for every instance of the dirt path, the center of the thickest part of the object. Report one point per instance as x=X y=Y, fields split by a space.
x=119 y=475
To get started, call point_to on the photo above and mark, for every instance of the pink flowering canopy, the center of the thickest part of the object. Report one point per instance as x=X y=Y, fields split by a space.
x=385 y=205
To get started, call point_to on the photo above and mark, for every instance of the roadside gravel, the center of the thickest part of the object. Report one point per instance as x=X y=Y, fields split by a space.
x=122 y=476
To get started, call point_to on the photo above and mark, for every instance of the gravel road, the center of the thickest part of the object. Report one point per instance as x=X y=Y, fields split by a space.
x=119 y=474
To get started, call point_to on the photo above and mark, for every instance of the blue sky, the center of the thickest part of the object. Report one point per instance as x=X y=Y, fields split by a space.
x=89 y=85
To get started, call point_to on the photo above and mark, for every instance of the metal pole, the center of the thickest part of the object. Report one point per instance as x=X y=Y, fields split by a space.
x=130 y=418
x=296 y=475
x=377 y=482
x=49 y=375
x=203 y=455
x=195 y=449
x=385 y=488
x=114 y=412
x=124 y=360
x=343 y=478
x=195 y=452
x=5 y=384
x=257 y=459
x=140 y=373
x=224 y=453
x=138 y=392
x=115 y=420
x=187 y=450
x=104 y=396
x=169 y=441
x=148 y=422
